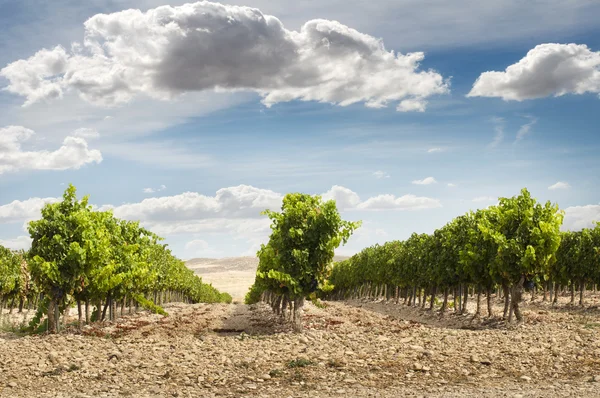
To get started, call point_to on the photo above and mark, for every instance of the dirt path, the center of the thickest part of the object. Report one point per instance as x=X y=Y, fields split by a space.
x=357 y=349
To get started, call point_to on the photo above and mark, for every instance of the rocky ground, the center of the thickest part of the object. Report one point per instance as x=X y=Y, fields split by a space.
x=352 y=349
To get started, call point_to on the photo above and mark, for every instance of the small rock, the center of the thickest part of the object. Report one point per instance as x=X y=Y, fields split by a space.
x=578 y=338
x=525 y=378
x=53 y=356
x=596 y=379
x=417 y=366
x=475 y=358
x=417 y=348
x=303 y=339
x=12 y=384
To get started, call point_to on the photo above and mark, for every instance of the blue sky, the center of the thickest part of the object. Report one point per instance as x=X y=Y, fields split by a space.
x=137 y=134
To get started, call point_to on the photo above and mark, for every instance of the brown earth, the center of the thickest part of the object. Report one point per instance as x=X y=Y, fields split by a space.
x=352 y=349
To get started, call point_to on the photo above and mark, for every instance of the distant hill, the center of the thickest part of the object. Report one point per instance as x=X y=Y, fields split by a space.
x=233 y=275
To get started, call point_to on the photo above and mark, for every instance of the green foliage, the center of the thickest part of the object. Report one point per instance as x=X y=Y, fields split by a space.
x=81 y=254
x=295 y=262
x=517 y=240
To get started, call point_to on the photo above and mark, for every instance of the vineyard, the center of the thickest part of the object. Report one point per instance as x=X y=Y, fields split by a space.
x=99 y=263
x=514 y=246
x=356 y=337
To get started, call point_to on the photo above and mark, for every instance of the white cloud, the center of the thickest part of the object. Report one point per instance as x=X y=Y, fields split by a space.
x=381 y=174
x=167 y=51
x=559 y=185
x=406 y=202
x=344 y=198
x=87 y=133
x=412 y=105
x=525 y=129
x=73 y=154
x=549 y=69
x=451 y=185
x=425 y=181
x=153 y=190
x=579 y=217
x=435 y=150
x=499 y=131
x=242 y=201
x=200 y=248
x=20 y=211
x=18 y=243
x=233 y=212
x=485 y=199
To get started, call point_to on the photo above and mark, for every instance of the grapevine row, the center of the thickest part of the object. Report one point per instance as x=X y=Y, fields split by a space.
x=506 y=248
x=101 y=263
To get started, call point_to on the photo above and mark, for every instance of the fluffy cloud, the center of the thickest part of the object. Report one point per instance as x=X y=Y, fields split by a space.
x=579 y=217
x=344 y=198
x=549 y=69
x=73 y=154
x=381 y=174
x=20 y=211
x=233 y=212
x=18 y=243
x=243 y=201
x=559 y=185
x=425 y=181
x=168 y=50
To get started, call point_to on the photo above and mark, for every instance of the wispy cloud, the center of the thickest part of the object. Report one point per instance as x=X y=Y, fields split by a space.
x=153 y=190
x=525 y=129
x=559 y=185
x=451 y=185
x=499 y=131
x=381 y=174
x=436 y=150
x=484 y=199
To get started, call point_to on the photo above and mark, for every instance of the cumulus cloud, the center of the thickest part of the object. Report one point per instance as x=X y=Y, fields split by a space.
x=168 y=50
x=20 y=211
x=154 y=190
x=344 y=198
x=233 y=211
x=73 y=153
x=18 y=243
x=579 y=217
x=425 y=181
x=549 y=69
x=381 y=174
x=234 y=202
x=559 y=185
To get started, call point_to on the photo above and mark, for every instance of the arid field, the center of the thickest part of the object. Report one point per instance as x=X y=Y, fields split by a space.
x=351 y=349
